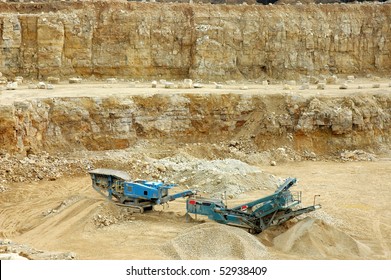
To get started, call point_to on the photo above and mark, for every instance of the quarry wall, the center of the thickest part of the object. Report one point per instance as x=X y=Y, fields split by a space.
x=198 y=41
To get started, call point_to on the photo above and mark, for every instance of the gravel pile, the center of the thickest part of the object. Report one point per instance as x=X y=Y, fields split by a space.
x=326 y=218
x=211 y=241
x=213 y=177
x=39 y=167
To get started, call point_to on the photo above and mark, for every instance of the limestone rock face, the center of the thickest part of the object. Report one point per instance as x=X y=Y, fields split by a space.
x=323 y=124
x=198 y=41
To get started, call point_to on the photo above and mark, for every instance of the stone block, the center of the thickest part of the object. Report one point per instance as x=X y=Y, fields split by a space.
x=198 y=85
x=111 y=81
x=169 y=85
x=291 y=83
x=41 y=85
x=332 y=80
x=12 y=85
x=219 y=86
x=321 y=86
x=53 y=80
x=19 y=80
x=75 y=80
x=343 y=86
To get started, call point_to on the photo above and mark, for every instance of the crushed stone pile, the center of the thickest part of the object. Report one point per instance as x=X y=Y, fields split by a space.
x=212 y=241
x=280 y=155
x=39 y=167
x=214 y=177
x=10 y=250
x=211 y=177
x=322 y=215
x=314 y=239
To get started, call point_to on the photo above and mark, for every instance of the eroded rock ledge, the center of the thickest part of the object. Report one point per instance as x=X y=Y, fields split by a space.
x=322 y=124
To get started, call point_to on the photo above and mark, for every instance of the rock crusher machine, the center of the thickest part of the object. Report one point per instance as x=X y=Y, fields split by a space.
x=257 y=215
x=140 y=195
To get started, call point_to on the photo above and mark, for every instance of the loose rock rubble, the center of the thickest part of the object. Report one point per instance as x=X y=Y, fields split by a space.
x=235 y=167
x=215 y=177
x=110 y=214
x=357 y=155
x=39 y=167
x=13 y=251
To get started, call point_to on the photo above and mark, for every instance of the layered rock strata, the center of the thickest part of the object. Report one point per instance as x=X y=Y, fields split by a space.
x=199 y=41
x=321 y=124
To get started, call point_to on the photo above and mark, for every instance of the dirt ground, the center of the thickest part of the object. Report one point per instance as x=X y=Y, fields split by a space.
x=65 y=214
x=354 y=197
x=106 y=88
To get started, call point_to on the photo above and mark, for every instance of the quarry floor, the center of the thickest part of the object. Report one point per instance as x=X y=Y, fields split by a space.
x=102 y=88
x=353 y=223
x=354 y=197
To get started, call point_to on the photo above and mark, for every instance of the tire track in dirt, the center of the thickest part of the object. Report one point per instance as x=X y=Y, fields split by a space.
x=73 y=220
x=16 y=219
x=23 y=206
